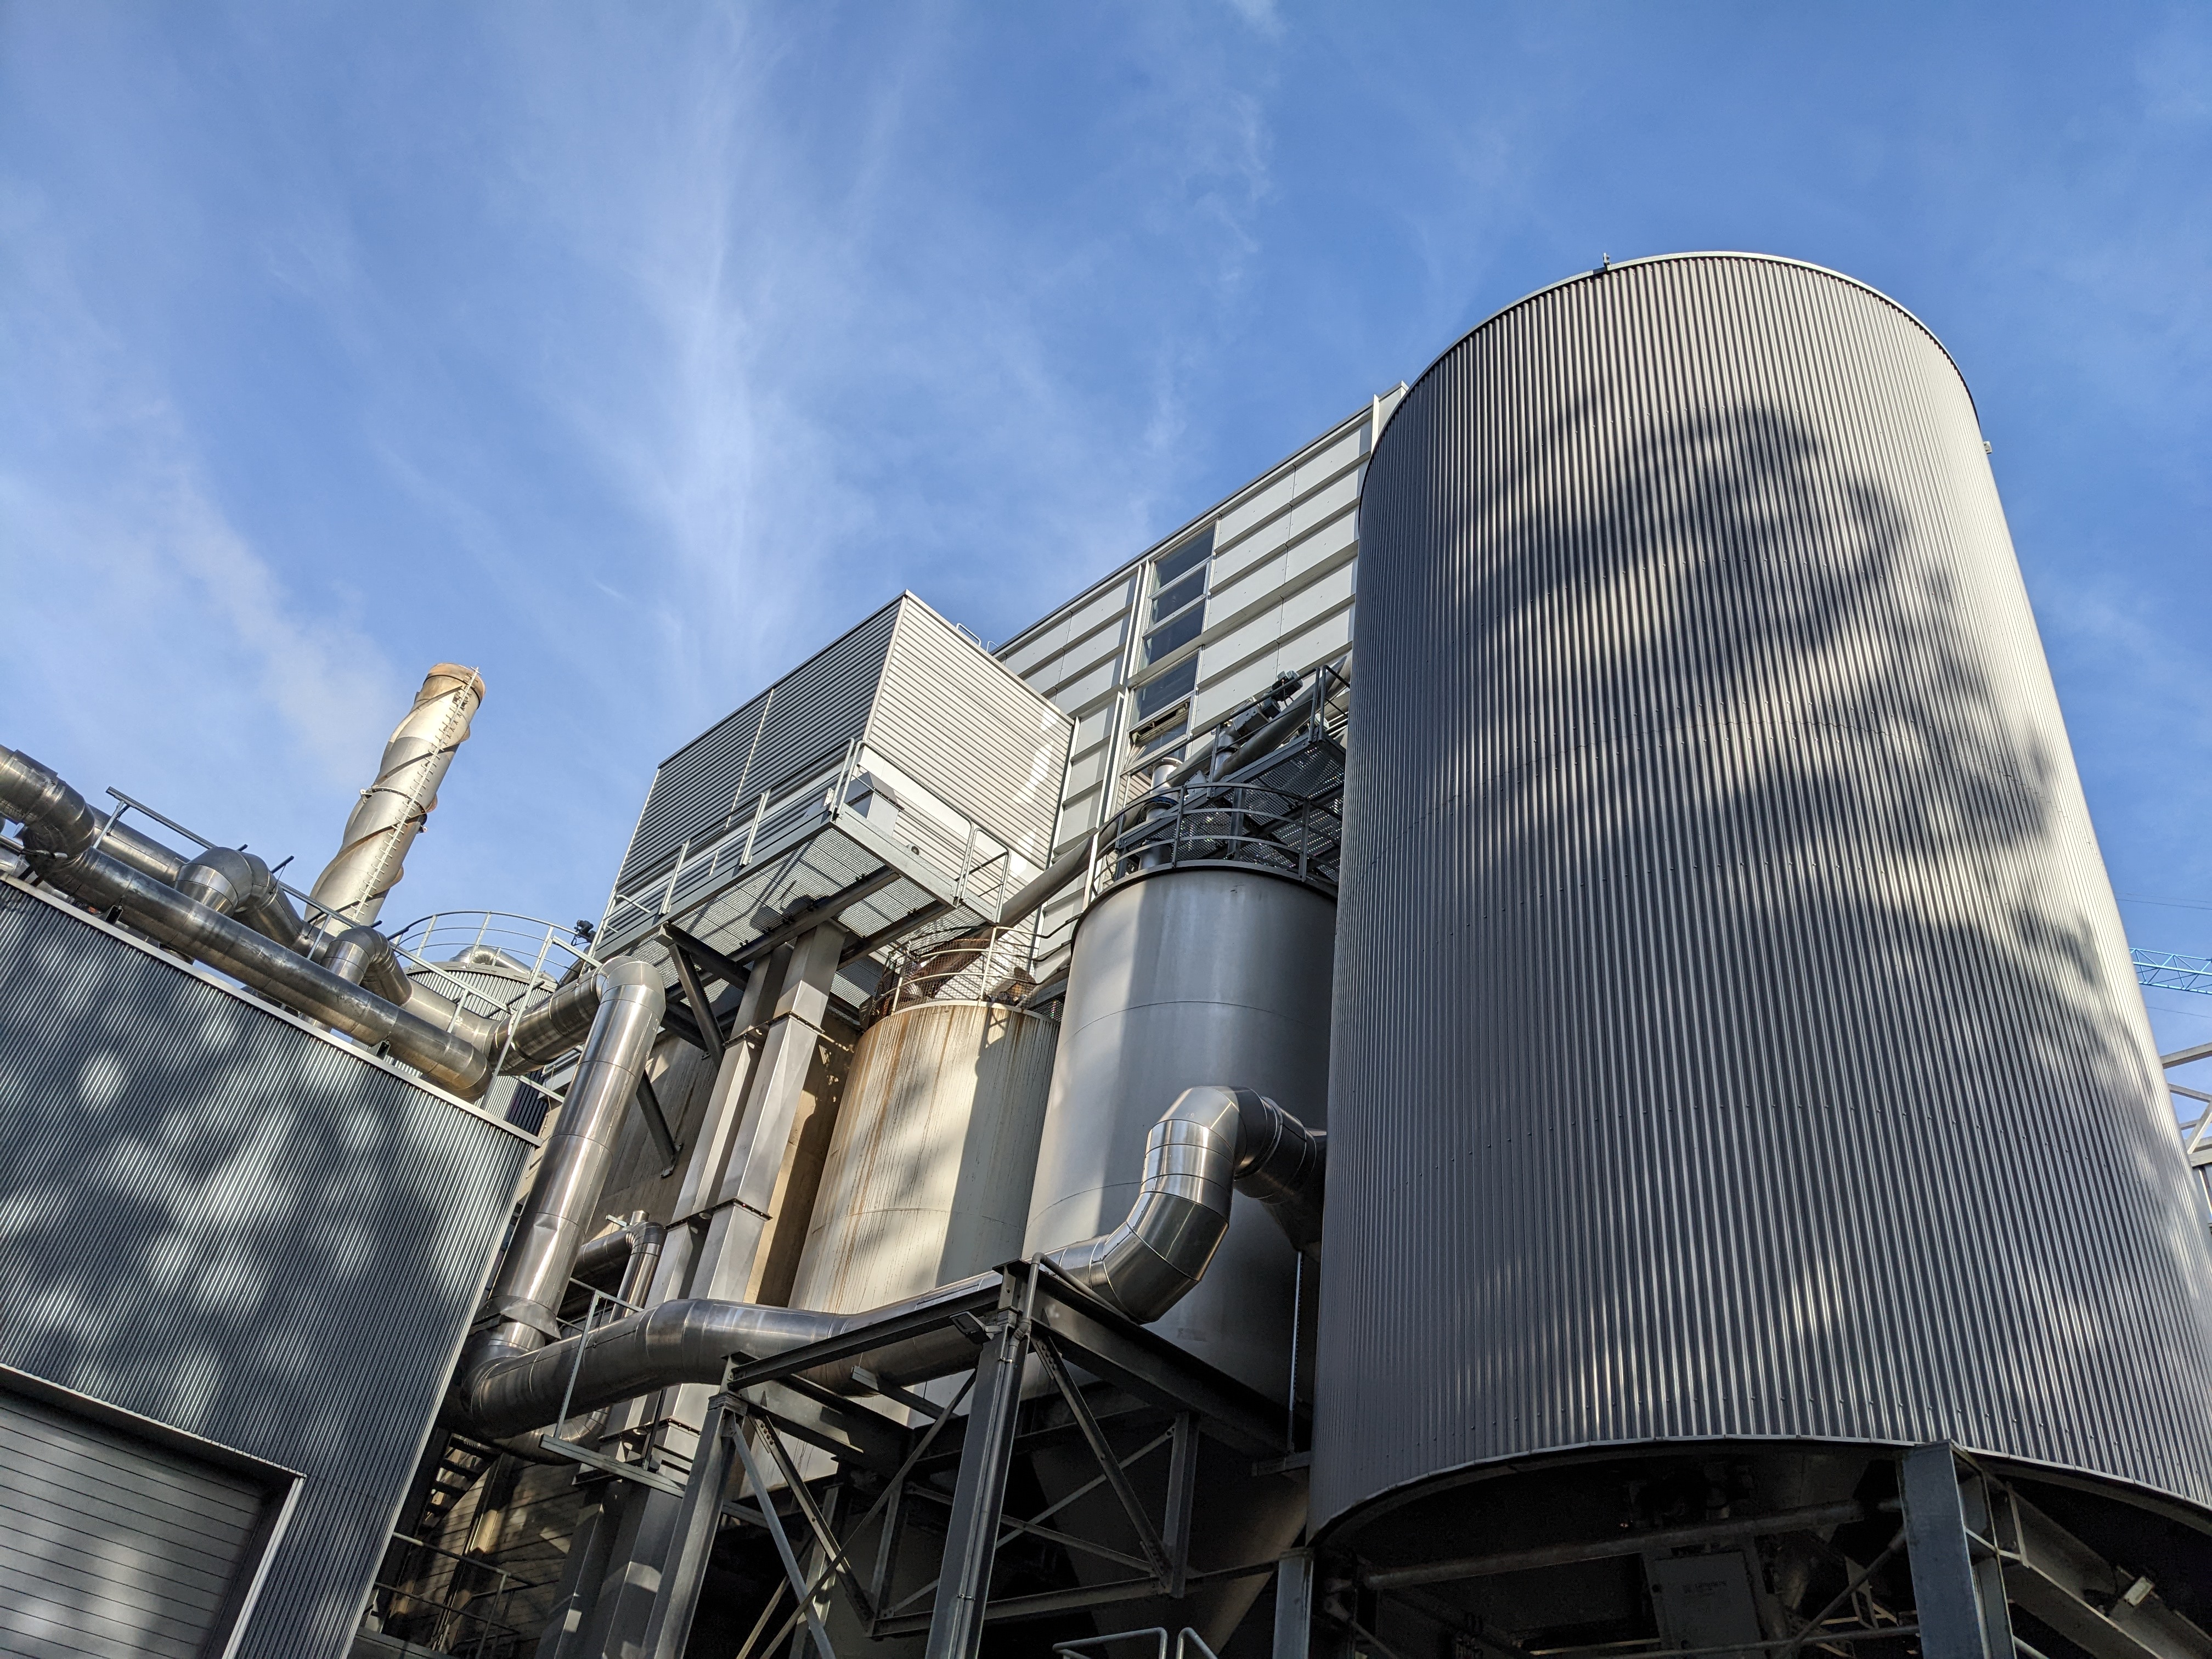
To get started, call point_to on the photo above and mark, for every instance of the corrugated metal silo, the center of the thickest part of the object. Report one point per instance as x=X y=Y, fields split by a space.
x=1735 y=1039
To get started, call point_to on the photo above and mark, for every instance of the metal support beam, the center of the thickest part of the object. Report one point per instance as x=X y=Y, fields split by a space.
x=1183 y=1490
x=656 y=1124
x=705 y=959
x=800 y=1585
x=820 y=911
x=1294 y=1593
x=1148 y=1537
x=956 y=1620
x=694 y=995
x=670 y=1626
x=1627 y=1543
x=1961 y=1598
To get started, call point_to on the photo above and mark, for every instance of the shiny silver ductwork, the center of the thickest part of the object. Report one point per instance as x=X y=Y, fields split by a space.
x=1212 y=1139
x=1211 y=1142
x=225 y=909
x=561 y=1212
x=392 y=810
x=237 y=884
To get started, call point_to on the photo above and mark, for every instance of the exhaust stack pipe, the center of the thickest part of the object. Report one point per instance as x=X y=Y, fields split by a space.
x=392 y=810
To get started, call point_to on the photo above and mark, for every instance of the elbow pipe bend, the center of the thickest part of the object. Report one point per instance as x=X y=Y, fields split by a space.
x=236 y=883
x=1212 y=1141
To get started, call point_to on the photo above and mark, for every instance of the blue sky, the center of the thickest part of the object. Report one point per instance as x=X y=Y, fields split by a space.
x=631 y=351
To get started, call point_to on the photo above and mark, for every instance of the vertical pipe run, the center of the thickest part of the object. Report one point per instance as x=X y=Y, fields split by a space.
x=534 y=1274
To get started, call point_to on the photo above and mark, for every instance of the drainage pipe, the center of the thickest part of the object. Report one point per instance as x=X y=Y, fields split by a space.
x=524 y=1305
x=1211 y=1142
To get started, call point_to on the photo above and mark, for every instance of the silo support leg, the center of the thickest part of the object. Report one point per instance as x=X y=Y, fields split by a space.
x=1958 y=1587
x=1294 y=1583
x=971 y=1539
x=714 y=1466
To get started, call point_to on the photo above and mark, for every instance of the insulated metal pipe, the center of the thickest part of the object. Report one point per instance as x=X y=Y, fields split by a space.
x=444 y=1057
x=533 y=1275
x=142 y=853
x=392 y=810
x=236 y=883
x=61 y=830
x=554 y=1026
x=1211 y=1141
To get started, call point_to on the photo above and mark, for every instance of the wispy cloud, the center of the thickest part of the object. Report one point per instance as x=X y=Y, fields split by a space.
x=155 y=640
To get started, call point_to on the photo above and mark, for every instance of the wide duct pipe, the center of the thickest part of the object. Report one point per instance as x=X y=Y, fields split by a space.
x=142 y=853
x=237 y=884
x=88 y=855
x=533 y=1275
x=392 y=810
x=1213 y=1140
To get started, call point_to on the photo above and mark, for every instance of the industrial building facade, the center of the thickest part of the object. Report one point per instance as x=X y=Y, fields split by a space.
x=1618 y=1122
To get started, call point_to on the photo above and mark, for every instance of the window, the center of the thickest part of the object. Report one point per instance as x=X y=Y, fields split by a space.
x=1156 y=696
x=1177 y=615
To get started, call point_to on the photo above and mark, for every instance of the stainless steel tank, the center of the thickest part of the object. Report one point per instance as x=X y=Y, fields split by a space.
x=928 y=1173
x=1188 y=977
x=1734 y=1041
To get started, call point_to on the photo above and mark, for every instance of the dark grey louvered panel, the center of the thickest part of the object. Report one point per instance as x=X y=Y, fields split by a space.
x=230 y=1225
x=1734 y=1036
x=803 y=721
x=112 y=1547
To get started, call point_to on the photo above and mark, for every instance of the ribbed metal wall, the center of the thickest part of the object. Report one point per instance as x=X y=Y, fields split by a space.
x=1734 y=1032
x=959 y=721
x=216 y=1218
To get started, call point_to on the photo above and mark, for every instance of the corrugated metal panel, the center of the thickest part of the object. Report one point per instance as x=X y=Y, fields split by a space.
x=970 y=732
x=109 y=1545
x=1735 y=1035
x=803 y=721
x=226 y=1223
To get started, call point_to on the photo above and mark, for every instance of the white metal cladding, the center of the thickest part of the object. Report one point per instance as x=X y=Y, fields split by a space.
x=970 y=731
x=905 y=738
x=220 y=1219
x=1734 y=1032
x=1282 y=575
x=113 y=1547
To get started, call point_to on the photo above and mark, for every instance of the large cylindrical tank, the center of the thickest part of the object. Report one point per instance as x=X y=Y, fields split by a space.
x=1188 y=977
x=927 y=1177
x=1734 y=1038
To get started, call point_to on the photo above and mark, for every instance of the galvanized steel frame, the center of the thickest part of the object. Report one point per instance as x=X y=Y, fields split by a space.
x=1029 y=1312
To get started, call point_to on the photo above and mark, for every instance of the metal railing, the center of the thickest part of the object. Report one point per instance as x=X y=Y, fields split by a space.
x=980 y=872
x=1254 y=825
x=1185 y=1641
x=446 y=1602
x=960 y=964
x=535 y=954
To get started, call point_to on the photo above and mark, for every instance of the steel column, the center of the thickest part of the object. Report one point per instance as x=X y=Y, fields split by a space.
x=1294 y=1588
x=956 y=1619
x=1962 y=1600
